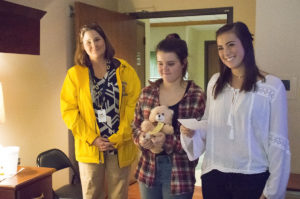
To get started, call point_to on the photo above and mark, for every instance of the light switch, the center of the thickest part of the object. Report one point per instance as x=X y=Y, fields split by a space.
x=290 y=83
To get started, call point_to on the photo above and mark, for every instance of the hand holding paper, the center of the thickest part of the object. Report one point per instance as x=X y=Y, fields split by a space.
x=194 y=145
x=186 y=131
x=190 y=123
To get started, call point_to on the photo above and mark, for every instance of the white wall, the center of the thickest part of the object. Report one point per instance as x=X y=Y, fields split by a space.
x=32 y=83
x=277 y=46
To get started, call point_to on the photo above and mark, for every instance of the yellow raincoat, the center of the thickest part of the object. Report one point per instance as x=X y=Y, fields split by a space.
x=78 y=113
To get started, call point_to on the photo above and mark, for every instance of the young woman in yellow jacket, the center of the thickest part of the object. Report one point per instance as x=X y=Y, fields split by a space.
x=98 y=98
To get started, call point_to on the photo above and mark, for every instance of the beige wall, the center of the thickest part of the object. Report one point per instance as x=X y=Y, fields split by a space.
x=242 y=10
x=32 y=85
x=278 y=52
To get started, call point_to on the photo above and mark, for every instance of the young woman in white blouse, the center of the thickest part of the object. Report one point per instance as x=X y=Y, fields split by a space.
x=244 y=131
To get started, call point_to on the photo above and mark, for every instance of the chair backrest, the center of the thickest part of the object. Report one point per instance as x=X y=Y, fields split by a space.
x=57 y=159
x=54 y=158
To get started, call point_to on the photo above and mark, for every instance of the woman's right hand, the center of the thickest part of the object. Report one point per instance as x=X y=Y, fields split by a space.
x=103 y=144
x=145 y=141
x=262 y=196
x=187 y=132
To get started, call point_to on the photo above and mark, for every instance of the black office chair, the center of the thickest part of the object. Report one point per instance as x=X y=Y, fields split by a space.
x=55 y=158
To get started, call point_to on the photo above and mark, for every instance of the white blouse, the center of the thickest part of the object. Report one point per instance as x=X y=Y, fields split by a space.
x=245 y=132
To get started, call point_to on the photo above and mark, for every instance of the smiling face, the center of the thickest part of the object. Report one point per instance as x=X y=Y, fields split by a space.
x=169 y=66
x=93 y=44
x=231 y=50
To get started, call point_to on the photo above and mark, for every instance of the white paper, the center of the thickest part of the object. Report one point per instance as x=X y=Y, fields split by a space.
x=191 y=123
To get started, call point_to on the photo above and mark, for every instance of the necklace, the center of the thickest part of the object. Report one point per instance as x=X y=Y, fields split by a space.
x=238 y=76
x=107 y=64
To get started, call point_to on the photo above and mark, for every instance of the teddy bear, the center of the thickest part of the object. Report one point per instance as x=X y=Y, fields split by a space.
x=158 y=126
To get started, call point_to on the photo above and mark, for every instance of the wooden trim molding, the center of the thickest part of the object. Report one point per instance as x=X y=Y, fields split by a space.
x=20 y=28
x=181 y=13
x=189 y=23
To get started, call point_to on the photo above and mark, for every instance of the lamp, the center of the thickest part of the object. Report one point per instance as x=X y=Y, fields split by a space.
x=2 y=112
x=8 y=155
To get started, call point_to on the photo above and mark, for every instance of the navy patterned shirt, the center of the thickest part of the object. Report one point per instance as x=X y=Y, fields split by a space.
x=105 y=93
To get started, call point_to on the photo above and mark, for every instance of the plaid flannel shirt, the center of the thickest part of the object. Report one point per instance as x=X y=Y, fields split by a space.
x=192 y=105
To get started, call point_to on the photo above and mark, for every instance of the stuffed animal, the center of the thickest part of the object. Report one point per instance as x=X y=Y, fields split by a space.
x=158 y=126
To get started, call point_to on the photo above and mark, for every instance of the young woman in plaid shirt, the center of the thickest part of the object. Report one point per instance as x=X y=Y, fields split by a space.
x=169 y=174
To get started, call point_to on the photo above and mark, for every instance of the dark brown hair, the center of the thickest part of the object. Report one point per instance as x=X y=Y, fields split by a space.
x=172 y=36
x=251 y=70
x=81 y=57
x=173 y=43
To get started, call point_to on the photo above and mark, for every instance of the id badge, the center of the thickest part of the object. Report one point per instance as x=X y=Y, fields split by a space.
x=101 y=115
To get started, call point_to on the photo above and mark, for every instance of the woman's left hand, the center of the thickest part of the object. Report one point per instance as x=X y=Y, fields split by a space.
x=188 y=132
x=144 y=141
x=103 y=144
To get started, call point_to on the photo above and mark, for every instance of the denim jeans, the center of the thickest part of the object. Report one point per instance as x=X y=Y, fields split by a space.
x=162 y=183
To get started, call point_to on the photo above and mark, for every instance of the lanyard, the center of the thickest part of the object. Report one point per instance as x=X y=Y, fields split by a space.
x=97 y=90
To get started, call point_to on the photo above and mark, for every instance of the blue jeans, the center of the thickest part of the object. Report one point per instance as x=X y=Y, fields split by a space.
x=162 y=183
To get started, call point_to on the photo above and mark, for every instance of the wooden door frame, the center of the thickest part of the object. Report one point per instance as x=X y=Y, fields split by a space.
x=143 y=79
x=181 y=13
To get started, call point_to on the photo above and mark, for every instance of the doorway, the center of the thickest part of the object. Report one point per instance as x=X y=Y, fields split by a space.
x=194 y=26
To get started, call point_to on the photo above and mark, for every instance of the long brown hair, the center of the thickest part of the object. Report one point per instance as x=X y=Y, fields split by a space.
x=81 y=57
x=251 y=70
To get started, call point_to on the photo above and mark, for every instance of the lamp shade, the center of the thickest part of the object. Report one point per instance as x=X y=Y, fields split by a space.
x=2 y=112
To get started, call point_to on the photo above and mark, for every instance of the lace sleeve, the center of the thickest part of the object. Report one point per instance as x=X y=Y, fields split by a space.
x=278 y=151
x=279 y=142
